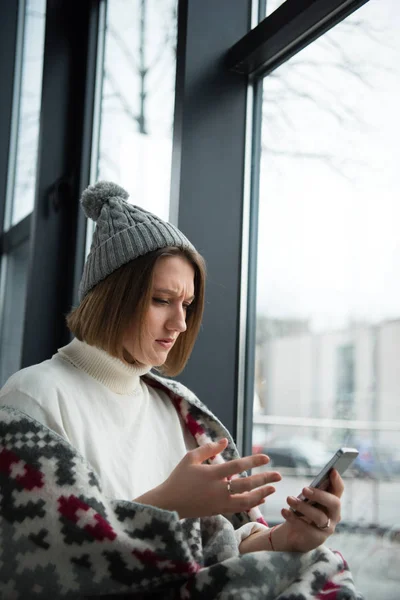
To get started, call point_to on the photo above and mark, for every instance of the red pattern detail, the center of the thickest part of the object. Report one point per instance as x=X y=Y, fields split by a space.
x=194 y=427
x=68 y=507
x=329 y=591
x=149 y=557
x=32 y=478
x=345 y=565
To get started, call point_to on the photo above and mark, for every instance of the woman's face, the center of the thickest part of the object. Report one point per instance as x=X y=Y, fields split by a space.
x=165 y=320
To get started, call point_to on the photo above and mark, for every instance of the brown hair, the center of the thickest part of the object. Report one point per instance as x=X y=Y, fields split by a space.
x=107 y=310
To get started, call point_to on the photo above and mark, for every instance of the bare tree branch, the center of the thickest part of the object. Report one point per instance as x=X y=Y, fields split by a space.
x=126 y=107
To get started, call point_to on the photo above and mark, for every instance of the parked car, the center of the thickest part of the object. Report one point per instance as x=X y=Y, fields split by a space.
x=375 y=461
x=302 y=455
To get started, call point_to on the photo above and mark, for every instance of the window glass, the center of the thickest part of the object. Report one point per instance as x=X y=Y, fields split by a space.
x=28 y=110
x=21 y=180
x=135 y=147
x=16 y=264
x=328 y=298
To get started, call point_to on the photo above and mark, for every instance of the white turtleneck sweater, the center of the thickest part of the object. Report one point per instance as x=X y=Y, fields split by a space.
x=130 y=433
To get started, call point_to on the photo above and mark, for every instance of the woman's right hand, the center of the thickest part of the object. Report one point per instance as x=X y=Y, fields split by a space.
x=195 y=489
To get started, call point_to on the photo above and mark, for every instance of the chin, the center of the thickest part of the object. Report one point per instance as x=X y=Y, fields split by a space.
x=157 y=359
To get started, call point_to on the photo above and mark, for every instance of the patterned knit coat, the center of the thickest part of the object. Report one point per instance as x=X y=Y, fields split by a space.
x=61 y=537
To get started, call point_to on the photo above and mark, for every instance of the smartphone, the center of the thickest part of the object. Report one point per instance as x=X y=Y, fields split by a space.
x=340 y=461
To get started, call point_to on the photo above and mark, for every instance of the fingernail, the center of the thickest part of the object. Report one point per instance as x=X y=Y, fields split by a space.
x=293 y=499
x=308 y=490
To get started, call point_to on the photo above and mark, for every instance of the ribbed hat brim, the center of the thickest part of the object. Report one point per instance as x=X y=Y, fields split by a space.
x=126 y=245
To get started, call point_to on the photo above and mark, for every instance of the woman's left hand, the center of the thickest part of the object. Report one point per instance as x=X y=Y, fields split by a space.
x=306 y=532
x=317 y=523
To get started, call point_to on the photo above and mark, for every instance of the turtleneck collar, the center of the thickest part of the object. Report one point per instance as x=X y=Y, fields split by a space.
x=116 y=375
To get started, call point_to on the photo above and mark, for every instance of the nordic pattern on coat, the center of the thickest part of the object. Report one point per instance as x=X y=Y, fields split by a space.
x=61 y=537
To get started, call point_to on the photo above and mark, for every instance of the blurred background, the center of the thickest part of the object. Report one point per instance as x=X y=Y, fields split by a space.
x=279 y=159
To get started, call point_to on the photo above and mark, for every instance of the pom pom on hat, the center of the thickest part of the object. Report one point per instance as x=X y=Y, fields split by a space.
x=95 y=196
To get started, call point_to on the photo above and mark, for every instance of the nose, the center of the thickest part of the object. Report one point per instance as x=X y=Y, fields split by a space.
x=177 y=321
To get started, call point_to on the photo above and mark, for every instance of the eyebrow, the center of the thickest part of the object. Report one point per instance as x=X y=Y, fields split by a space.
x=171 y=293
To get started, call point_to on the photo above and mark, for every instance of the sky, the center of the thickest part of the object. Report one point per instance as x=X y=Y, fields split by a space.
x=329 y=245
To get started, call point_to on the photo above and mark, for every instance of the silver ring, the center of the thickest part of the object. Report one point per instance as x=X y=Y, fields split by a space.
x=229 y=488
x=326 y=526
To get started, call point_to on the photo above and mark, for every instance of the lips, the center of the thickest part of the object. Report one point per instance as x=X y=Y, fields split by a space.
x=166 y=343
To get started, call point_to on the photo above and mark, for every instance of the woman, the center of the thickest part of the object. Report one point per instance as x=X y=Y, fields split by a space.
x=116 y=479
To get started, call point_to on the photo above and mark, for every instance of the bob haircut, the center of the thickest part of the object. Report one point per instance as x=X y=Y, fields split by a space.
x=107 y=310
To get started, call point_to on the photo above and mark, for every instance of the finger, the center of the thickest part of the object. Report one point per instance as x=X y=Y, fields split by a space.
x=291 y=517
x=336 y=484
x=314 y=514
x=207 y=451
x=233 y=467
x=329 y=502
x=246 y=501
x=246 y=484
x=307 y=512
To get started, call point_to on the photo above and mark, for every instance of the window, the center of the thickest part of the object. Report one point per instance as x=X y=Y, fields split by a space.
x=328 y=299
x=345 y=382
x=20 y=182
x=135 y=140
x=13 y=308
x=27 y=111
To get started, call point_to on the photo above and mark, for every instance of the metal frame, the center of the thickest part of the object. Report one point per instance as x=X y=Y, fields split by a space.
x=8 y=60
x=15 y=236
x=294 y=25
x=11 y=62
x=249 y=277
x=91 y=127
x=57 y=241
x=214 y=189
x=208 y=172
x=12 y=19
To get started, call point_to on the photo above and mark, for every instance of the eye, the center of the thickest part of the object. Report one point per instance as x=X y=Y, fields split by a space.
x=160 y=301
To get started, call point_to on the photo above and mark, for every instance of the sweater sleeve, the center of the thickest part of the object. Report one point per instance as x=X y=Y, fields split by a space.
x=21 y=401
x=32 y=407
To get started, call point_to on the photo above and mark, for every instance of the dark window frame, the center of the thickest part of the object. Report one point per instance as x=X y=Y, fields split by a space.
x=214 y=191
x=285 y=32
x=58 y=224
x=225 y=379
x=9 y=15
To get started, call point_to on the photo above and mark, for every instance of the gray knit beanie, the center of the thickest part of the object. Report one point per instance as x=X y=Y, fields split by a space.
x=123 y=232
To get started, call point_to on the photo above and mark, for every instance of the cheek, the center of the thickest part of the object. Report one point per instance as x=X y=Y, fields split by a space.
x=130 y=336
x=153 y=320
